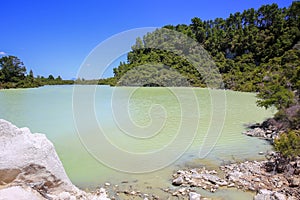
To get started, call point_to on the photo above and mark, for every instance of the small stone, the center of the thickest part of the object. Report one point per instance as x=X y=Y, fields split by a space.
x=107 y=184
x=256 y=179
x=175 y=193
x=194 y=196
x=251 y=188
x=178 y=181
x=230 y=185
x=222 y=183
x=181 y=190
x=263 y=195
x=298 y=163
x=279 y=196
x=64 y=196
x=295 y=182
x=279 y=184
x=102 y=190
x=180 y=172
x=261 y=153
x=72 y=198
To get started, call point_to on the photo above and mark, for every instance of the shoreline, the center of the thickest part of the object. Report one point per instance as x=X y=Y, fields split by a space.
x=189 y=183
x=271 y=178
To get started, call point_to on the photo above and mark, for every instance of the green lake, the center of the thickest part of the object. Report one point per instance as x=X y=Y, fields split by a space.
x=163 y=127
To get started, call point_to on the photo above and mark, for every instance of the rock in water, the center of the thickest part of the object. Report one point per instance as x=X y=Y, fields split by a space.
x=178 y=181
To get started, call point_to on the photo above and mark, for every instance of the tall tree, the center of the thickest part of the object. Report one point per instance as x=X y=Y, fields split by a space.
x=12 y=69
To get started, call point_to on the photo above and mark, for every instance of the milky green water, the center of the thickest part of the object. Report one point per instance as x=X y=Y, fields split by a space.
x=125 y=115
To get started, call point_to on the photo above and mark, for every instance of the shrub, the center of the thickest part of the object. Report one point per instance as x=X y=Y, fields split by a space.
x=288 y=144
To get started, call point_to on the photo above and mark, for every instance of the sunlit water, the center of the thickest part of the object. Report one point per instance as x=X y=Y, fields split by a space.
x=49 y=110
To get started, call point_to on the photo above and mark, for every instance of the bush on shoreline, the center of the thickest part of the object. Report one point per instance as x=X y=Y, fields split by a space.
x=288 y=144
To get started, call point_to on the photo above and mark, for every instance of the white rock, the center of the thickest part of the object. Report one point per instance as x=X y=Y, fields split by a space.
x=194 y=196
x=178 y=181
x=64 y=196
x=279 y=196
x=264 y=194
x=19 y=193
x=19 y=148
x=34 y=158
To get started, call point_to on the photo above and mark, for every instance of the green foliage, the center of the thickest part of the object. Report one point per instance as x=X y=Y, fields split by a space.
x=288 y=144
x=280 y=86
x=13 y=75
x=241 y=45
x=12 y=69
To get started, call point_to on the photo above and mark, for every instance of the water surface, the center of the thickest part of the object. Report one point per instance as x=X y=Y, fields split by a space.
x=49 y=110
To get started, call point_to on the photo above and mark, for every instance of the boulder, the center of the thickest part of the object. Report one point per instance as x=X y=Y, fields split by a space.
x=20 y=148
x=31 y=169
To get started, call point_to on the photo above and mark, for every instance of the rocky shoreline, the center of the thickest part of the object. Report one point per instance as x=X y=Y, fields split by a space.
x=275 y=178
x=248 y=176
x=268 y=130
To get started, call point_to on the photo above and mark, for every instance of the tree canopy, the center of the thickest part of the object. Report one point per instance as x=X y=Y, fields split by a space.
x=13 y=74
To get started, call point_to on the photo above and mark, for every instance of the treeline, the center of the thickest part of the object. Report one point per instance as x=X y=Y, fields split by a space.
x=240 y=45
x=254 y=51
x=13 y=74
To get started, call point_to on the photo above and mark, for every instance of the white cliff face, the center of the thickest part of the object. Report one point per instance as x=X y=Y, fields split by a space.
x=20 y=148
x=31 y=169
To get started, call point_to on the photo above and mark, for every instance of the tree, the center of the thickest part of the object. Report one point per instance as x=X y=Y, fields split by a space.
x=31 y=74
x=12 y=69
x=50 y=77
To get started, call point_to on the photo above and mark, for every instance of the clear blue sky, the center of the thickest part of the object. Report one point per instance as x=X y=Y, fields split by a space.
x=55 y=36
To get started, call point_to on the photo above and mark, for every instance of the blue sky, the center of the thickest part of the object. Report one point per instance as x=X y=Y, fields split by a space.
x=55 y=36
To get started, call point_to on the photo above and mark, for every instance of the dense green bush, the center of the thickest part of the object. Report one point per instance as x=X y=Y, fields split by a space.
x=288 y=144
